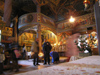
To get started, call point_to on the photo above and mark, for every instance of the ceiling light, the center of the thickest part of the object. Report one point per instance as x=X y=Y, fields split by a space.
x=71 y=19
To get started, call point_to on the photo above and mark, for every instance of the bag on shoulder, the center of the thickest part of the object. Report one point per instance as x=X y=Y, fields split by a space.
x=17 y=53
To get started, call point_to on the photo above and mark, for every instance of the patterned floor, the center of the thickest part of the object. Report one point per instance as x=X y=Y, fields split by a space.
x=85 y=66
x=27 y=65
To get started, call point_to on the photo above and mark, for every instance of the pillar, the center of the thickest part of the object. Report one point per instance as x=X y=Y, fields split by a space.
x=38 y=8
x=97 y=19
x=39 y=29
x=15 y=29
x=39 y=37
x=7 y=12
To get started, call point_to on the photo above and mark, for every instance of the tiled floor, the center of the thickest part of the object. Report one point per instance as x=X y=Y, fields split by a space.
x=85 y=66
x=27 y=65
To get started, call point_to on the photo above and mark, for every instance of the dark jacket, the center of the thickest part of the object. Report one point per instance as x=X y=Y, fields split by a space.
x=54 y=55
x=47 y=47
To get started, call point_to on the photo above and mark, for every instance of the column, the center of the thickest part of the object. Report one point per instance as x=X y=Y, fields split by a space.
x=15 y=29
x=38 y=8
x=97 y=19
x=39 y=37
x=7 y=12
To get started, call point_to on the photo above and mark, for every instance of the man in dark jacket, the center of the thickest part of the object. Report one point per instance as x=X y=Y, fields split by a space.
x=46 y=50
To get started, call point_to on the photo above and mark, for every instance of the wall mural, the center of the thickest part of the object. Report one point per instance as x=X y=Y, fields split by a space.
x=79 y=21
x=62 y=37
x=26 y=38
x=46 y=20
x=50 y=36
x=31 y=18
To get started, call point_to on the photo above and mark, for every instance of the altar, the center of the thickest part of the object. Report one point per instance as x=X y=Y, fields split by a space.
x=85 y=66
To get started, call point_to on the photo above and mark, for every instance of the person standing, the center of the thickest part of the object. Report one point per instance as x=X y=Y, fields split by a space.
x=46 y=50
x=35 y=50
x=2 y=58
x=24 y=51
x=14 y=60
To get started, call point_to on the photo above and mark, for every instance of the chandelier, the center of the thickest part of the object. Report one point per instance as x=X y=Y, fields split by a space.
x=86 y=4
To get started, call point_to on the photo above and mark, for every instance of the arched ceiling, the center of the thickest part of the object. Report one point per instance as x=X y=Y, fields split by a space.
x=56 y=9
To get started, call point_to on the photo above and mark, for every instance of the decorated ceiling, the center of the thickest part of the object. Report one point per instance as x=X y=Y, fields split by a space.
x=56 y=9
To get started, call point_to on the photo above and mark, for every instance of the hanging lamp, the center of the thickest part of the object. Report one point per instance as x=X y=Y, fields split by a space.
x=86 y=4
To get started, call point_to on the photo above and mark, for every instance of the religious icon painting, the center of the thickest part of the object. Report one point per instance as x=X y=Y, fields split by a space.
x=50 y=34
x=23 y=20
x=30 y=18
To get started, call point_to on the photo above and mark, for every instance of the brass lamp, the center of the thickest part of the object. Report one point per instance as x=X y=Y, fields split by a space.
x=86 y=4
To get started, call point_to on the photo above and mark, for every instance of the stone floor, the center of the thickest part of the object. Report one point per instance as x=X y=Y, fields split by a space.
x=27 y=65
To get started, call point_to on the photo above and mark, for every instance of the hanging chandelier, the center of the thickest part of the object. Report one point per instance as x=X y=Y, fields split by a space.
x=86 y=4
x=71 y=19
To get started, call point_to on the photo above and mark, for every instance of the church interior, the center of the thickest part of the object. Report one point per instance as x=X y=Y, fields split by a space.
x=71 y=26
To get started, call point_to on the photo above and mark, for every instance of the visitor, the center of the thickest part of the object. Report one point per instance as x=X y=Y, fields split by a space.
x=14 y=61
x=35 y=50
x=24 y=52
x=46 y=50
x=55 y=56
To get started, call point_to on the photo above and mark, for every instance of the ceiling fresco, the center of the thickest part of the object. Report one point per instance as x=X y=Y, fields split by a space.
x=56 y=9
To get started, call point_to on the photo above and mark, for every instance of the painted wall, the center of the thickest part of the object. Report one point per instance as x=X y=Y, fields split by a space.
x=50 y=36
x=26 y=38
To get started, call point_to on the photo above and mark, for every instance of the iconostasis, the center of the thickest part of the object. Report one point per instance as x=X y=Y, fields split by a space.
x=58 y=41
x=27 y=39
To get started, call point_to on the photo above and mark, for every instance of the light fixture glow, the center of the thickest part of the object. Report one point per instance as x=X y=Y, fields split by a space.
x=71 y=19
x=40 y=54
